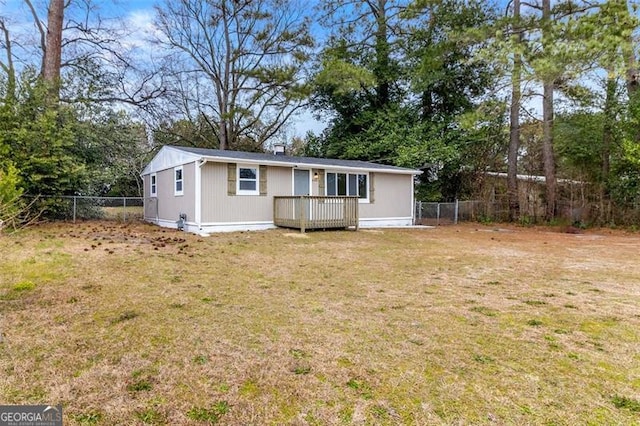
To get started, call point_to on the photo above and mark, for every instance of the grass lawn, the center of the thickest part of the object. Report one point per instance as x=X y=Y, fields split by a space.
x=134 y=324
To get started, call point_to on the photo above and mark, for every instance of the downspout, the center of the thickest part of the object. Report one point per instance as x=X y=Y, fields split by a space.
x=413 y=199
x=198 y=191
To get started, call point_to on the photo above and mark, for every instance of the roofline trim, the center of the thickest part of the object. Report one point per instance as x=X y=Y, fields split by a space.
x=281 y=163
x=308 y=165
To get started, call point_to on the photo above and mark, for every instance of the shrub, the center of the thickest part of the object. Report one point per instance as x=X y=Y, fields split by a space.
x=11 y=203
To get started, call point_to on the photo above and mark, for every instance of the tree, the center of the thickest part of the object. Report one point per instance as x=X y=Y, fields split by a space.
x=40 y=140
x=395 y=80
x=544 y=44
x=60 y=131
x=83 y=57
x=514 y=117
x=238 y=65
x=549 y=77
x=114 y=150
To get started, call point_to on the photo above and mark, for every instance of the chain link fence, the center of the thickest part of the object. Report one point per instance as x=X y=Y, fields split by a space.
x=434 y=214
x=74 y=208
x=568 y=211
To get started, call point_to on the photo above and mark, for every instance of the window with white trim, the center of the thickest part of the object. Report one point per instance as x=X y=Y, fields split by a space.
x=353 y=184
x=153 y=179
x=178 y=185
x=248 y=180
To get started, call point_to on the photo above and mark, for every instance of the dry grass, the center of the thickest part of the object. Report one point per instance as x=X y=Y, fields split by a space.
x=123 y=213
x=132 y=324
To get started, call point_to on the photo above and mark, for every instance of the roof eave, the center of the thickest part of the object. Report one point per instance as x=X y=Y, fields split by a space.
x=309 y=165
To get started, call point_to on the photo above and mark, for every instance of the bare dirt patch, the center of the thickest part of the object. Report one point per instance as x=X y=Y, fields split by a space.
x=133 y=324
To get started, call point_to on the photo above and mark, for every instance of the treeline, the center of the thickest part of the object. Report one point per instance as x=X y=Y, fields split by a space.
x=455 y=88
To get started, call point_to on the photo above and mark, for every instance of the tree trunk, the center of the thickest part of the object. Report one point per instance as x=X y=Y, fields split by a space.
x=547 y=150
x=8 y=67
x=381 y=68
x=222 y=135
x=547 y=122
x=607 y=131
x=514 y=121
x=632 y=69
x=607 y=142
x=53 y=48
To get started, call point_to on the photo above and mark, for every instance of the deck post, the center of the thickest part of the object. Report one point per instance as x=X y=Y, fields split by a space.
x=303 y=214
x=275 y=210
x=357 y=214
x=345 y=212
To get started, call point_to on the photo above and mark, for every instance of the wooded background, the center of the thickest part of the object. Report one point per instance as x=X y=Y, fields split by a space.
x=455 y=88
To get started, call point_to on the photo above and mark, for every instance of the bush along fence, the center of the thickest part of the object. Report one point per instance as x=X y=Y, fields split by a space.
x=78 y=207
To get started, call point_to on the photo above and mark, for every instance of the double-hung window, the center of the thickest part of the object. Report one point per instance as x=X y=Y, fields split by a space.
x=248 y=178
x=353 y=184
x=178 y=181
x=153 y=180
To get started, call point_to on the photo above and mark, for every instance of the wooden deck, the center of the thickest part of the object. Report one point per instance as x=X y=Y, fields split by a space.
x=314 y=212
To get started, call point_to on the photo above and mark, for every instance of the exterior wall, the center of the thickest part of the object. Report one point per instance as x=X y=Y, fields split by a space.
x=219 y=207
x=393 y=197
x=169 y=206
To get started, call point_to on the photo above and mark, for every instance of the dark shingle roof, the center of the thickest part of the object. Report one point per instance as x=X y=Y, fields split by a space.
x=290 y=160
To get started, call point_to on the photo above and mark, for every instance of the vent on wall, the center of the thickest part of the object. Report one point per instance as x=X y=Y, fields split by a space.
x=182 y=220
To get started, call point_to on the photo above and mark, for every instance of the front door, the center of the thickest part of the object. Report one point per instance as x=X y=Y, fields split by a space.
x=302 y=186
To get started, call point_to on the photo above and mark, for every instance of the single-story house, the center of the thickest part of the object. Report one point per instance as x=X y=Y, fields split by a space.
x=210 y=190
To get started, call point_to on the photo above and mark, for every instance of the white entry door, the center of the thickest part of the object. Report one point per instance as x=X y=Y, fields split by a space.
x=301 y=182
x=302 y=186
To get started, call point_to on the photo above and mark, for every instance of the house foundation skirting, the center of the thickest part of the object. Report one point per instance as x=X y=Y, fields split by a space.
x=206 y=228
x=385 y=222
x=209 y=228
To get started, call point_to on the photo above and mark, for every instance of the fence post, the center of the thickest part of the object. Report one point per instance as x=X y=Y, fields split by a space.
x=74 y=209
x=419 y=221
x=438 y=214
x=455 y=214
x=124 y=209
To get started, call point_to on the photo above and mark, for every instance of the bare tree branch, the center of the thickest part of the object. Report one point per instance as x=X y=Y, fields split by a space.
x=247 y=60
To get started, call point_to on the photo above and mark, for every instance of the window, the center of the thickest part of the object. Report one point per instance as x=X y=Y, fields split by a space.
x=248 y=180
x=154 y=185
x=352 y=184
x=179 y=183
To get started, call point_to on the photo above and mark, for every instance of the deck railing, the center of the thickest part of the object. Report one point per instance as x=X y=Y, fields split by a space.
x=315 y=212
